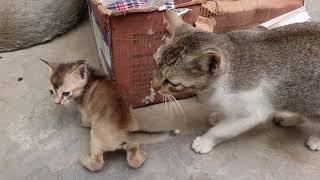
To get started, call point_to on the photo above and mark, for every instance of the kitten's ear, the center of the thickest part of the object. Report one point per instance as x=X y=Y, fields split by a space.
x=49 y=65
x=80 y=72
x=211 y=62
x=176 y=26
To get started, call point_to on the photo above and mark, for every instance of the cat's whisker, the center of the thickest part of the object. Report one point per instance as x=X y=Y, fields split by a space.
x=178 y=105
x=180 y=108
x=172 y=108
x=170 y=104
x=164 y=100
x=166 y=103
x=152 y=69
x=175 y=107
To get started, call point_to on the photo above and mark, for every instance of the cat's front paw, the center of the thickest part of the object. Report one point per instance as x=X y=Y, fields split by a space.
x=313 y=143
x=202 y=145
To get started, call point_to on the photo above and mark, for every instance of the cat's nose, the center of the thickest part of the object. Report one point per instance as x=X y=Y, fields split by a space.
x=156 y=85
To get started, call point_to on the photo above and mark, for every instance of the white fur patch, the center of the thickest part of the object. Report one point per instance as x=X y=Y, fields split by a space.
x=202 y=145
x=313 y=143
x=254 y=102
x=242 y=111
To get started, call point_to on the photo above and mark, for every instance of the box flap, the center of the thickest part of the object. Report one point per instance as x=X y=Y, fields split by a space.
x=108 y=12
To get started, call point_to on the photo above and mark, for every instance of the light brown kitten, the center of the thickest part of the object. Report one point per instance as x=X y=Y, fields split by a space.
x=104 y=107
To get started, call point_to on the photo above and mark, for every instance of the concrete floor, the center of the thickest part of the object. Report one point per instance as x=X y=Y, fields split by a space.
x=40 y=140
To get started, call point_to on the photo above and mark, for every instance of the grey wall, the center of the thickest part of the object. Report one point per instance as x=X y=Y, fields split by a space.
x=24 y=23
x=313 y=8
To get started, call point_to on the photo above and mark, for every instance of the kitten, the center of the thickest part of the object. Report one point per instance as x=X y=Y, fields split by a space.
x=104 y=107
x=247 y=75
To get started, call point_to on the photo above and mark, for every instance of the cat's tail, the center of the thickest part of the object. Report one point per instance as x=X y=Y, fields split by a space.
x=148 y=137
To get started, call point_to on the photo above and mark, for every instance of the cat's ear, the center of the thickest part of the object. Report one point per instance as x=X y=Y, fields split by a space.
x=211 y=62
x=80 y=61
x=50 y=66
x=80 y=72
x=176 y=26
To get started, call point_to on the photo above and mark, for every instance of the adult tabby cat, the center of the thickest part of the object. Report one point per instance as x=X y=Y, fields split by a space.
x=248 y=76
x=104 y=107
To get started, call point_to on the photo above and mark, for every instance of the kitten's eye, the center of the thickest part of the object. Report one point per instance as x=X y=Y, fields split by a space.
x=67 y=93
x=50 y=91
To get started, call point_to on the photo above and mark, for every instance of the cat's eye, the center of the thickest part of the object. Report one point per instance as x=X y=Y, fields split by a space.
x=67 y=93
x=50 y=91
x=170 y=82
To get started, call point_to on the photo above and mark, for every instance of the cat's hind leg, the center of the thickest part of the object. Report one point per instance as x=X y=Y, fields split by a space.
x=287 y=118
x=135 y=157
x=290 y=119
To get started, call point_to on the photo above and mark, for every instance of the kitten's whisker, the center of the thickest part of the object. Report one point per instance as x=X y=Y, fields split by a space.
x=67 y=107
x=71 y=106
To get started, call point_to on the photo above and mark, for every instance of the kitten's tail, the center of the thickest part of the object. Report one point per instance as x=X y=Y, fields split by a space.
x=147 y=137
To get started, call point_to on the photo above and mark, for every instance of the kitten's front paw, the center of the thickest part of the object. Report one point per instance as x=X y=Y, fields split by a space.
x=313 y=143
x=202 y=145
x=85 y=124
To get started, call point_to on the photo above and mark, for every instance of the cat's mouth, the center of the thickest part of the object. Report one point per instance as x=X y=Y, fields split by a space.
x=174 y=90
x=166 y=87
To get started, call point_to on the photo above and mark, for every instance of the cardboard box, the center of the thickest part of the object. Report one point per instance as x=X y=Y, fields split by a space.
x=127 y=39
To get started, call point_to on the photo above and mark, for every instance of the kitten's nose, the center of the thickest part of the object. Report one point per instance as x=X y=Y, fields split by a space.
x=156 y=85
x=57 y=101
